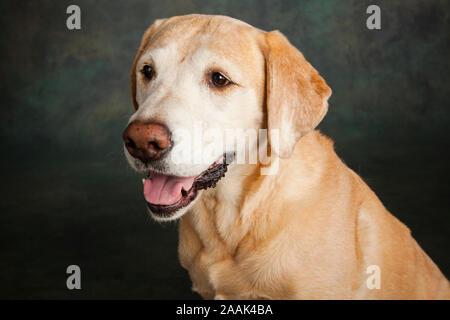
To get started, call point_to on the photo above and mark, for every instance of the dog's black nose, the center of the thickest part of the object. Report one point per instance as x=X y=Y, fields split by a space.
x=147 y=140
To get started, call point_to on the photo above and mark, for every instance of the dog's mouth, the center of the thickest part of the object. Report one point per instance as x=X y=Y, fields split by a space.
x=166 y=194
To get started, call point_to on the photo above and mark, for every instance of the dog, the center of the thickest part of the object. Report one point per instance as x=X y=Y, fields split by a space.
x=312 y=230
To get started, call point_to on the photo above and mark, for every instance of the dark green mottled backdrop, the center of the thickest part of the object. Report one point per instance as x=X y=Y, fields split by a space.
x=68 y=197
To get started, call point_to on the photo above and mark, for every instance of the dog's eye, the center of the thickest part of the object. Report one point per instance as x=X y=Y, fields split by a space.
x=219 y=80
x=148 y=72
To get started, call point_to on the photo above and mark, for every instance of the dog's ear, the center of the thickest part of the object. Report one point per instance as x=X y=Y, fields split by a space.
x=296 y=93
x=144 y=41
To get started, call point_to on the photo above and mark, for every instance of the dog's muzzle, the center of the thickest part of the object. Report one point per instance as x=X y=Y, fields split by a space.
x=166 y=194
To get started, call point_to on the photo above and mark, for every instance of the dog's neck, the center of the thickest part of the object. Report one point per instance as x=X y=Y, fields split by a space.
x=234 y=209
x=223 y=209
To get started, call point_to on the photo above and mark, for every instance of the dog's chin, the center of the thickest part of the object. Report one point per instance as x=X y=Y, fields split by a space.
x=166 y=217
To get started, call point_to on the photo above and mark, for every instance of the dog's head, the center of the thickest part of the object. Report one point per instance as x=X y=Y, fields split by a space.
x=197 y=78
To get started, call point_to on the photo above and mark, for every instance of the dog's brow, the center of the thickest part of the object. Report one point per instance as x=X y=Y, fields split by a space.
x=155 y=54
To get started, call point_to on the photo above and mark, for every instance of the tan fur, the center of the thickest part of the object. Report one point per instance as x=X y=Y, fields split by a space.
x=296 y=93
x=311 y=230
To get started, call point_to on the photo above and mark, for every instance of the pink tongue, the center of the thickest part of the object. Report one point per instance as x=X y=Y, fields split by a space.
x=165 y=190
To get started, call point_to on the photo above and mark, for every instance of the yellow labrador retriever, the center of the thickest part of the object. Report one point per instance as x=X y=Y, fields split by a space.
x=310 y=229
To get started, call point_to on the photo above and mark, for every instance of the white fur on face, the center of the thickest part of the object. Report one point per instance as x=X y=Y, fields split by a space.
x=181 y=98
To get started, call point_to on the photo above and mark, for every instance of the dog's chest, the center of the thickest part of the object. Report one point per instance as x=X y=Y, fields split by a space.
x=209 y=237
x=215 y=274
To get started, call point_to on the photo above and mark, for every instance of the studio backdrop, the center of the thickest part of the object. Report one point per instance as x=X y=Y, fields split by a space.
x=70 y=198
